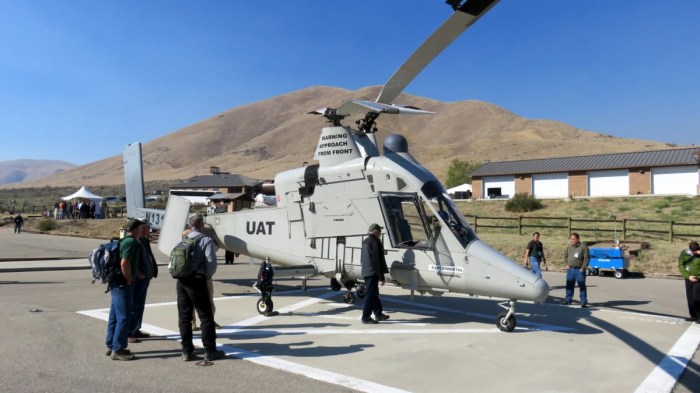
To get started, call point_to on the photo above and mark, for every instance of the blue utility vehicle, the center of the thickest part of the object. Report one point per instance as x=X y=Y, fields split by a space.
x=608 y=260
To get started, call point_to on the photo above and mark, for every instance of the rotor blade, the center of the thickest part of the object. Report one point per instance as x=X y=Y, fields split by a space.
x=361 y=106
x=455 y=25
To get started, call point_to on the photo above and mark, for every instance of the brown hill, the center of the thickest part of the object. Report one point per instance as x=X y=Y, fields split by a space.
x=265 y=137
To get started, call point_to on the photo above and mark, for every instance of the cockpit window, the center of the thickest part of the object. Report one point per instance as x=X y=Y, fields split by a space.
x=453 y=218
x=404 y=216
x=448 y=212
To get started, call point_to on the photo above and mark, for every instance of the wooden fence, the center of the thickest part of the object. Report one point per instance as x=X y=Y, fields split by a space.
x=623 y=229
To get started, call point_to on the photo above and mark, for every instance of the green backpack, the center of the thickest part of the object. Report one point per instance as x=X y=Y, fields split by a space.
x=182 y=258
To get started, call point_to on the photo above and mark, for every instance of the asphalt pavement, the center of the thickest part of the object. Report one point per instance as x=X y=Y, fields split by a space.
x=632 y=338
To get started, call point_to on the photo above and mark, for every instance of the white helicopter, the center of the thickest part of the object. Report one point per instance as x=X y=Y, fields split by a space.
x=323 y=210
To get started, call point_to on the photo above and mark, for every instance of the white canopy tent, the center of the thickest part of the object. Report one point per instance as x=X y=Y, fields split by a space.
x=463 y=187
x=83 y=193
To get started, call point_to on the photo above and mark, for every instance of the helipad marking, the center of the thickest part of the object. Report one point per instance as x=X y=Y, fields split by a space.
x=661 y=379
x=665 y=375
x=269 y=361
x=295 y=332
x=535 y=325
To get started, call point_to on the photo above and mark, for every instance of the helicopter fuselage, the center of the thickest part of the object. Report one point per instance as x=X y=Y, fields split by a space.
x=323 y=213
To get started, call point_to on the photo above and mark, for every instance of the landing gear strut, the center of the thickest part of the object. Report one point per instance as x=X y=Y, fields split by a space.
x=506 y=321
x=264 y=287
x=348 y=296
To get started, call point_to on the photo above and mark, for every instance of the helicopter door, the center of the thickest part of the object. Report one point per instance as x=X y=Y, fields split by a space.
x=405 y=220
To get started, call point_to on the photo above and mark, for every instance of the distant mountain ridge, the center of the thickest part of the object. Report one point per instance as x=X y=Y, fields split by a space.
x=17 y=171
x=263 y=138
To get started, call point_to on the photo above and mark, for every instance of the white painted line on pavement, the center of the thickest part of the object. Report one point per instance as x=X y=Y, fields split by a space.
x=664 y=377
x=269 y=361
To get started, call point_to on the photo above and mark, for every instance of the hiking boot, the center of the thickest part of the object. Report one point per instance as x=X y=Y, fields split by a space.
x=382 y=317
x=133 y=340
x=123 y=354
x=188 y=356
x=140 y=334
x=108 y=352
x=214 y=355
x=369 y=321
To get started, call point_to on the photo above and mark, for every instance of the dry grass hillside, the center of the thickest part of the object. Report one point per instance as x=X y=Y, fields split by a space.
x=265 y=137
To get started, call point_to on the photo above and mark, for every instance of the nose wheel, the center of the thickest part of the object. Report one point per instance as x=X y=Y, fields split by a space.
x=265 y=305
x=506 y=321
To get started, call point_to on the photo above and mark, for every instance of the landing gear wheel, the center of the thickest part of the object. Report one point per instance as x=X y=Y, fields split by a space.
x=505 y=325
x=619 y=274
x=335 y=285
x=264 y=306
x=349 y=298
x=361 y=291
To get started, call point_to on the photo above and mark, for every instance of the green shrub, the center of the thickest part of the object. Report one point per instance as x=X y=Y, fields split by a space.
x=46 y=225
x=523 y=203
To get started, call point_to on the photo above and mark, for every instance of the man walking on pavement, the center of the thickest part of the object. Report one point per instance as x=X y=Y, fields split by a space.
x=373 y=269
x=576 y=259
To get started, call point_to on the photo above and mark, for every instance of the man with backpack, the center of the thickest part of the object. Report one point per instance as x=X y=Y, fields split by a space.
x=122 y=289
x=149 y=270
x=193 y=294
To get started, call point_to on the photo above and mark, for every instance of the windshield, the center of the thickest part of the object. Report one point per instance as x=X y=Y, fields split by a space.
x=453 y=218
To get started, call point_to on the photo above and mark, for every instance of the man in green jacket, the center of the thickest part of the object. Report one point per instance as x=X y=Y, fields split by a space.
x=576 y=259
x=689 y=266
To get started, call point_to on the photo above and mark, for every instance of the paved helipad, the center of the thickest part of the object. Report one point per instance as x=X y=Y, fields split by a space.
x=633 y=338
x=448 y=342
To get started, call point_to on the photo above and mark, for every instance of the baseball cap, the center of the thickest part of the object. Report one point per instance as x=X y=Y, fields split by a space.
x=374 y=227
x=132 y=224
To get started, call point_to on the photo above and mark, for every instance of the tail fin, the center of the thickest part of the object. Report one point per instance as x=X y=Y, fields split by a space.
x=133 y=179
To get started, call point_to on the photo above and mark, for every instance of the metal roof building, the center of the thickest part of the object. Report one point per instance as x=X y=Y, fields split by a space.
x=225 y=180
x=589 y=163
x=673 y=171
x=200 y=188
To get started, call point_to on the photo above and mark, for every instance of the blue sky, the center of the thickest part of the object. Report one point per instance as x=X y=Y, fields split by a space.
x=80 y=79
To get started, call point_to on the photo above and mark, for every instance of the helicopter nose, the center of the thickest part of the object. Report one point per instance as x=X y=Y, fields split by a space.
x=540 y=290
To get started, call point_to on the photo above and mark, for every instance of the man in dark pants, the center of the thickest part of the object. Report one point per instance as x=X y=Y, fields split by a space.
x=192 y=292
x=689 y=266
x=149 y=270
x=373 y=269
x=576 y=259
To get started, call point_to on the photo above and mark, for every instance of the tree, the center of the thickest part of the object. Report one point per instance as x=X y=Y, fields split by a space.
x=458 y=172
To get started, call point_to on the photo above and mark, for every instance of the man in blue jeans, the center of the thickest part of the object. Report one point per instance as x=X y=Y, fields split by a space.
x=149 y=270
x=122 y=290
x=576 y=259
